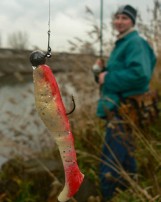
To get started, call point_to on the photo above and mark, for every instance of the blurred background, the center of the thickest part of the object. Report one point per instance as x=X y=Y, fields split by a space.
x=30 y=165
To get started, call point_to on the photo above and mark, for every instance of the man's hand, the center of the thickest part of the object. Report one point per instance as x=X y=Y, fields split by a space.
x=102 y=77
x=100 y=62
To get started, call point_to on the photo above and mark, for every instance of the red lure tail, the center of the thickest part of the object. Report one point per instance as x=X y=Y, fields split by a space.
x=51 y=109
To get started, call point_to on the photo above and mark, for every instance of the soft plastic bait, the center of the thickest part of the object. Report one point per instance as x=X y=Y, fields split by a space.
x=51 y=109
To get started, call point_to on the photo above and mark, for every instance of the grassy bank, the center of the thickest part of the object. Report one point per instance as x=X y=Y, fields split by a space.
x=88 y=131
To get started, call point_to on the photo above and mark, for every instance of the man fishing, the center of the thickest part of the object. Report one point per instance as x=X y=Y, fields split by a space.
x=127 y=73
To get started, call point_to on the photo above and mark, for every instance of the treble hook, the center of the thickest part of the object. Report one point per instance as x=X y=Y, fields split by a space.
x=73 y=106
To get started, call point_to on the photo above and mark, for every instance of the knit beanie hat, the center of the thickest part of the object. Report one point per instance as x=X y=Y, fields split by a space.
x=129 y=11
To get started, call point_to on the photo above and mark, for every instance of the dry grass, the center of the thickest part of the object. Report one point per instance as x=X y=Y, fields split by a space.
x=88 y=132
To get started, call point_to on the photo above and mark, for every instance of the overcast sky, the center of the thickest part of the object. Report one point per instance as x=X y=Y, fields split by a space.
x=67 y=19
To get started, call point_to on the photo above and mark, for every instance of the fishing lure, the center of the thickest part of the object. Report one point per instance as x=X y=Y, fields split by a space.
x=51 y=110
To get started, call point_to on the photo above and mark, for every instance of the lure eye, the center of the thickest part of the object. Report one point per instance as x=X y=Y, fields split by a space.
x=37 y=58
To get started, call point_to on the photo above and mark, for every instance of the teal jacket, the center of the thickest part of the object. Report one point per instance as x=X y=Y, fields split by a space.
x=129 y=71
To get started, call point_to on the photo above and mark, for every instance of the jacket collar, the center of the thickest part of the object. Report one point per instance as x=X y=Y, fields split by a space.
x=122 y=36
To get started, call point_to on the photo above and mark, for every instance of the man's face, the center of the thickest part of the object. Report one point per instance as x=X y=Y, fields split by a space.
x=122 y=23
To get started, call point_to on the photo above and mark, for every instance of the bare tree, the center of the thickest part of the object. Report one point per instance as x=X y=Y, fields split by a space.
x=93 y=35
x=87 y=48
x=152 y=30
x=18 y=40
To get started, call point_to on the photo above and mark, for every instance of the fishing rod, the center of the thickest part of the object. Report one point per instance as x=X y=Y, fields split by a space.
x=101 y=28
x=96 y=67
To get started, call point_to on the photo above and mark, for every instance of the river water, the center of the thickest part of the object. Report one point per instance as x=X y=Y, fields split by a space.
x=21 y=130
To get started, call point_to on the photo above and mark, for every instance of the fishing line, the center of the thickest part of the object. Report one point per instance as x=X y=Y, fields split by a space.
x=48 y=54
